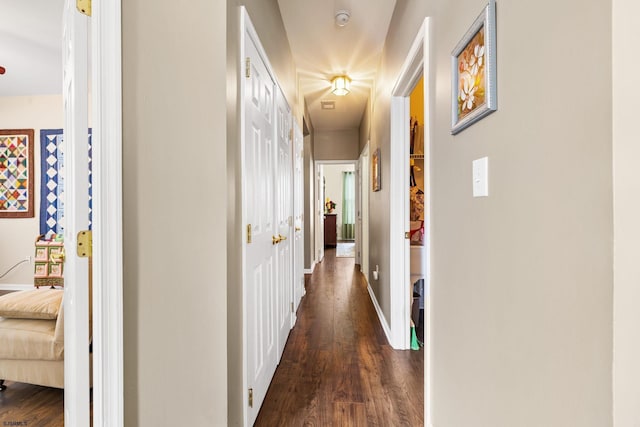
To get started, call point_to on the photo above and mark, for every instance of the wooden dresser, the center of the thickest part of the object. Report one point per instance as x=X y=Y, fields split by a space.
x=330 y=231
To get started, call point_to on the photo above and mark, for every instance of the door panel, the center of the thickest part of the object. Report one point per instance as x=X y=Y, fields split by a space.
x=298 y=214
x=76 y=178
x=319 y=213
x=260 y=264
x=284 y=202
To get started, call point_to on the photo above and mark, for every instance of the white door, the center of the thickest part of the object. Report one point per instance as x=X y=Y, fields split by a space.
x=284 y=218
x=298 y=217
x=319 y=214
x=259 y=214
x=76 y=176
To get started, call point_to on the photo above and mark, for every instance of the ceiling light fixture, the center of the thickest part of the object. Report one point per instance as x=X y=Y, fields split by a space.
x=342 y=17
x=341 y=85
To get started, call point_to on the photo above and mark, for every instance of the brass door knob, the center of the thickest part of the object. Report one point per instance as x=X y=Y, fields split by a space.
x=275 y=240
x=282 y=237
x=298 y=229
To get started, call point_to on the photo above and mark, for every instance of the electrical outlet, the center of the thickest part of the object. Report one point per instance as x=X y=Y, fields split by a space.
x=29 y=259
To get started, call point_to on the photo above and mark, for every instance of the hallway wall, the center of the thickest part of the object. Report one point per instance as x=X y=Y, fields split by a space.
x=337 y=145
x=521 y=280
x=174 y=155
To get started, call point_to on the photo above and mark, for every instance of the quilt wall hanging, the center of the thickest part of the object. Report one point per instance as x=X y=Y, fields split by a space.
x=16 y=173
x=52 y=181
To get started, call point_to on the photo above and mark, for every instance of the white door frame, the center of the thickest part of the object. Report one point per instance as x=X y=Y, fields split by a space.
x=298 y=216
x=364 y=169
x=75 y=95
x=320 y=216
x=107 y=228
x=108 y=328
x=417 y=64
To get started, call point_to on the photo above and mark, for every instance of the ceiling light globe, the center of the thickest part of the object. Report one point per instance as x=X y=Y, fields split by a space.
x=341 y=85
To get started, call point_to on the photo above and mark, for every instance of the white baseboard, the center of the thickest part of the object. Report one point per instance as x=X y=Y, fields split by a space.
x=10 y=287
x=383 y=321
x=310 y=270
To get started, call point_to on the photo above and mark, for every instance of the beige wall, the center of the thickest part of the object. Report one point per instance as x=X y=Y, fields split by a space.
x=337 y=145
x=365 y=127
x=265 y=16
x=19 y=234
x=521 y=280
x=174 y=138
x=626 y=152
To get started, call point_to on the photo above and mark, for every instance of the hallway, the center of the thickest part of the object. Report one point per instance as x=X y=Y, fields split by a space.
x=337 y=367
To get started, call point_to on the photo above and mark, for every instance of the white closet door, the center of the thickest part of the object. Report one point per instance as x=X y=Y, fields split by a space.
x=259 y=212
x=298 y=217
x=76 y=178
x=284 y=204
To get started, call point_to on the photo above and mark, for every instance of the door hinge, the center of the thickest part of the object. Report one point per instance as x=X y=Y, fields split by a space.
x=406 y=234
x=84 y=244
x=250 y=398
x=84 y=7
x=248 y=233
x=291 y=134
x=247 y=69
x=292 y=307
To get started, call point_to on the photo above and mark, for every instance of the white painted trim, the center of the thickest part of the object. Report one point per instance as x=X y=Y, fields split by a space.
x=108 y=376
x=399 y=224
x=363 y=161
x=20 y=287
x=76 y=171
x=429 y=102
x=245 y=26
x=418 y=64
x=383 y=321
x=409 y=75
x=310 y=270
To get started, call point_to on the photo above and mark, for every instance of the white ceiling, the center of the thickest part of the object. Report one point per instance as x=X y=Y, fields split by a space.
x=31 y=51
x=322 y=50
x=31 y=47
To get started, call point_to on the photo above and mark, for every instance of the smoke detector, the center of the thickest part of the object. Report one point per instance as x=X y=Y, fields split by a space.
x=342 y=17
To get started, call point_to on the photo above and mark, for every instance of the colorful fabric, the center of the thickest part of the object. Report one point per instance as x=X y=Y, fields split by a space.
x=15 y=174
x=52 y=181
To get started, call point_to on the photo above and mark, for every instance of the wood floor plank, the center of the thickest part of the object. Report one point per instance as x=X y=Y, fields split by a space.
x=31 y=405
x=338 y=368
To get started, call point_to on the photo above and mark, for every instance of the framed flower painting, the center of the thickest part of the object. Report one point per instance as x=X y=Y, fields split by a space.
x=473 y=66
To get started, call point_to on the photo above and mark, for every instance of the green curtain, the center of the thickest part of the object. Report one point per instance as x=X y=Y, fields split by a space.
x=348 y=206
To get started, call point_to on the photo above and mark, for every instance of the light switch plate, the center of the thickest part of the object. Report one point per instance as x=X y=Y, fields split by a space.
x=480 y=175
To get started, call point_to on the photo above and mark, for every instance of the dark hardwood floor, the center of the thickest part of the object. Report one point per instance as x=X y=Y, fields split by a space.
x=31 y=405
x=337 y=368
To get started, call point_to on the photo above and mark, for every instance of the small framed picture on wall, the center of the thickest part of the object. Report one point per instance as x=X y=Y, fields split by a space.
x=473 y=70
x=375 y=170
